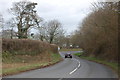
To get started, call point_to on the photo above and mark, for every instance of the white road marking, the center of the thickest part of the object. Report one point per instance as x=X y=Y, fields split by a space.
x=75 y=68
x=60 y=78
x=73 y=71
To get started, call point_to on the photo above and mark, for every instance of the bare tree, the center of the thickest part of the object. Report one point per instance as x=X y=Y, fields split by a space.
x=60 y=38
x=10 y=24
x=25 y=16
x=98 y=34
x=1 y=22
x=53 y=30
x=42 y=31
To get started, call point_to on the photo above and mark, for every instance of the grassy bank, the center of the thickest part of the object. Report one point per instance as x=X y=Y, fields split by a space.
x=70 y=49
x=21 y=63
x=19 y=55
x=113 y=65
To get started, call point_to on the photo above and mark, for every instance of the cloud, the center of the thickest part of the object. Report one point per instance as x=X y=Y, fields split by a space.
x=68 y=12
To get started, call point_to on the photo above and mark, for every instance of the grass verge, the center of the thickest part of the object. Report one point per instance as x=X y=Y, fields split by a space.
x=70 y=49
x=22 y=63
x=112 y=65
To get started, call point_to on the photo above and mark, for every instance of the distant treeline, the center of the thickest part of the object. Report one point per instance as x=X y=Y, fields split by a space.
x=98 y=33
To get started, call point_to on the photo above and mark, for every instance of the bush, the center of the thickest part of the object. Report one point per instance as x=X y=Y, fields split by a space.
x=98 y=33
x=26 y=46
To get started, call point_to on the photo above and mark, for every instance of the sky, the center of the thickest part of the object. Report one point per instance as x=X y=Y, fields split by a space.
x=69 y=12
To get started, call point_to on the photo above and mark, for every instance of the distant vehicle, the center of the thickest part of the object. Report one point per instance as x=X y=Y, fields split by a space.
x=68 y=55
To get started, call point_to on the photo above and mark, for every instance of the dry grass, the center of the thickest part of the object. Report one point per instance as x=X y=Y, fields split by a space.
x=20 y=55
x=25 y=63
x=21 y=60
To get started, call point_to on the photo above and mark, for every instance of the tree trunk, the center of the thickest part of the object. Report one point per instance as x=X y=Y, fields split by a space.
x=51 y=39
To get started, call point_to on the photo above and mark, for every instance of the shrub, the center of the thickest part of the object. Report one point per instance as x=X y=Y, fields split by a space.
x=26 y=46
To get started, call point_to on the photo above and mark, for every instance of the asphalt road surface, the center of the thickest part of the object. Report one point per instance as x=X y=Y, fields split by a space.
x=70 y=68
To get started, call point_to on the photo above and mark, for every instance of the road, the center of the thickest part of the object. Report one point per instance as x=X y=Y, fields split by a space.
x=70 y=68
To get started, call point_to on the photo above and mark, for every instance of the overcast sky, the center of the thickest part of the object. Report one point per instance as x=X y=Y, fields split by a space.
x=69 y=12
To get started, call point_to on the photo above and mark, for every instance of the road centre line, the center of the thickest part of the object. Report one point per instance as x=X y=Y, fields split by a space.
x=60 y=78
x=75 y=68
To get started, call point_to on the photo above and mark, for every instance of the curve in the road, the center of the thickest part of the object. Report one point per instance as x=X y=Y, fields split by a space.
x=76 y=67
x=70 y=68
